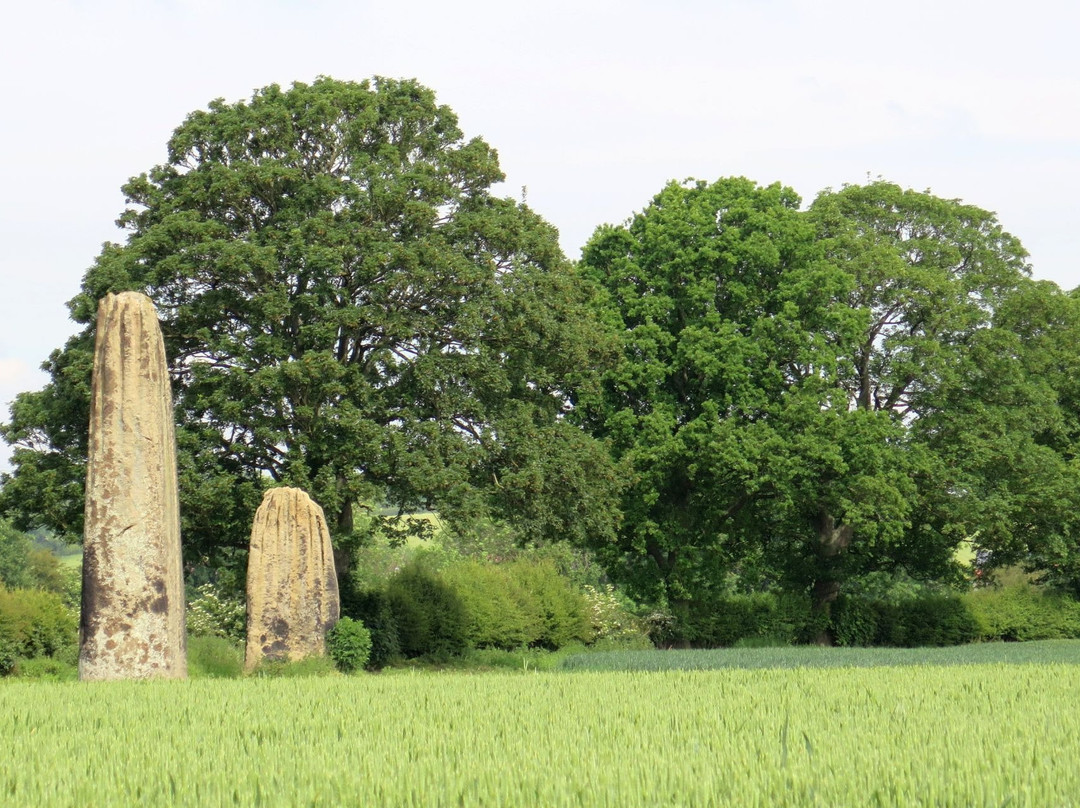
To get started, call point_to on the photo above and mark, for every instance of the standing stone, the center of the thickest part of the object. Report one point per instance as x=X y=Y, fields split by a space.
x=292 y=591
x=132 y=623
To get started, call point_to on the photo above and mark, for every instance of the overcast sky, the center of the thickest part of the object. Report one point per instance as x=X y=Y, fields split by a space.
x=592 y=106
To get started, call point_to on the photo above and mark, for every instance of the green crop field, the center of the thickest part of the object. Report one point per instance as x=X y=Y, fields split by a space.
x=959 y=735
x=810 y=656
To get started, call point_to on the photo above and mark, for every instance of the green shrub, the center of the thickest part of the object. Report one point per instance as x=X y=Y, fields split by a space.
x=854 y=621
x=68 y=654
x=1021 y=611
x=499 y=612
x=792 y=618
x=36 y=623
x=430 y=617
x=611 y=619
x=389 y=545
x=214 y=658
x=349 y=644
x=522 y=660
x=45 y=571
x=8 y=655
x=211 y=612
x=935 y=620
x=724 y=621
x=927 y=620
x=372 y=608
x=72 y=592
x=891 y=586
x=52 y=670
x=560 y=611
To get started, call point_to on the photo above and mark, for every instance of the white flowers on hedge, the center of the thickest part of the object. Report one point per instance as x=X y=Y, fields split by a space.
x=610 y=618
x=211 y=614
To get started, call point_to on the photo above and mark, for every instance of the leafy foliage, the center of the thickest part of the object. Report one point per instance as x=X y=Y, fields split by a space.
x=36 y=623
x=558 y=610
x=930 y=620
x=1023 y=612
x=855 y=621
x=46 y=669
x=346 y=307
x=14 y=555
x=773 y=399
x=612 y=619
x=723 y=313
x=9 y=654
x=349 y=644
x=500 y=612
x=726 y=621
x=429 y=615
x=373 y=608
x=808 y=397
x=1007 y=438
x=214 y=613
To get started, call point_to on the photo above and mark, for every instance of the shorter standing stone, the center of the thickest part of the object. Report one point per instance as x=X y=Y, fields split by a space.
x=292 y=591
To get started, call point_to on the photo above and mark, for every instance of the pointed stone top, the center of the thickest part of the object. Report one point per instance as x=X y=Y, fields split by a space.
x=291 y=499
x=129 y=295
x=284 y=491
x=291 y=582
x=126 y=299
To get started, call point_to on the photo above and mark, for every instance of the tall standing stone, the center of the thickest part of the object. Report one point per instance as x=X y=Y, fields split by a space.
x=292 y=591
x=132 y=623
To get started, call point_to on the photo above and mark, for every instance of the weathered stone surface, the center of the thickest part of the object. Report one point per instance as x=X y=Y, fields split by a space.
x=292 y=592
x=132 y=623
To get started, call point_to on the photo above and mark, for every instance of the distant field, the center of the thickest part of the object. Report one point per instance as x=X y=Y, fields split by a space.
x=1065 y=652
x=981 y=735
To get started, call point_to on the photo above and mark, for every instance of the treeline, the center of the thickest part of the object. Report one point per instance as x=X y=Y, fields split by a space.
x=445 y=603
x=731 y=395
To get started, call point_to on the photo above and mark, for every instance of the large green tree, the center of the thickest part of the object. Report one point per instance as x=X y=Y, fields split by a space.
x=1005 y=428
x=347 y=307
x=783 y=372
x=970 y=355
x=728 y=403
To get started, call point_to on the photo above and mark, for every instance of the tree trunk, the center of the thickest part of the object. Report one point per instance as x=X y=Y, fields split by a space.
x=832 y=541
x=681 y=610
x=342 y=557
x=865 y=401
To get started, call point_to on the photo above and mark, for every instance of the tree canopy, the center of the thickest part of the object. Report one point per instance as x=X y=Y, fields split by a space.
x=14 y=555
x=732 y=329
x=347 y=307
x=795 y=386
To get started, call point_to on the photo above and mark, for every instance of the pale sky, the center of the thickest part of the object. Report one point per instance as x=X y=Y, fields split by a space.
x=592 y=106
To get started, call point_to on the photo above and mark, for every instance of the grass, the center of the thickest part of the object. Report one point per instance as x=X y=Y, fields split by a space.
x=214 y=658
x=299 y=669
x=46 y=669
x=1065 y=652
x=990 y=734
x=70 y=560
